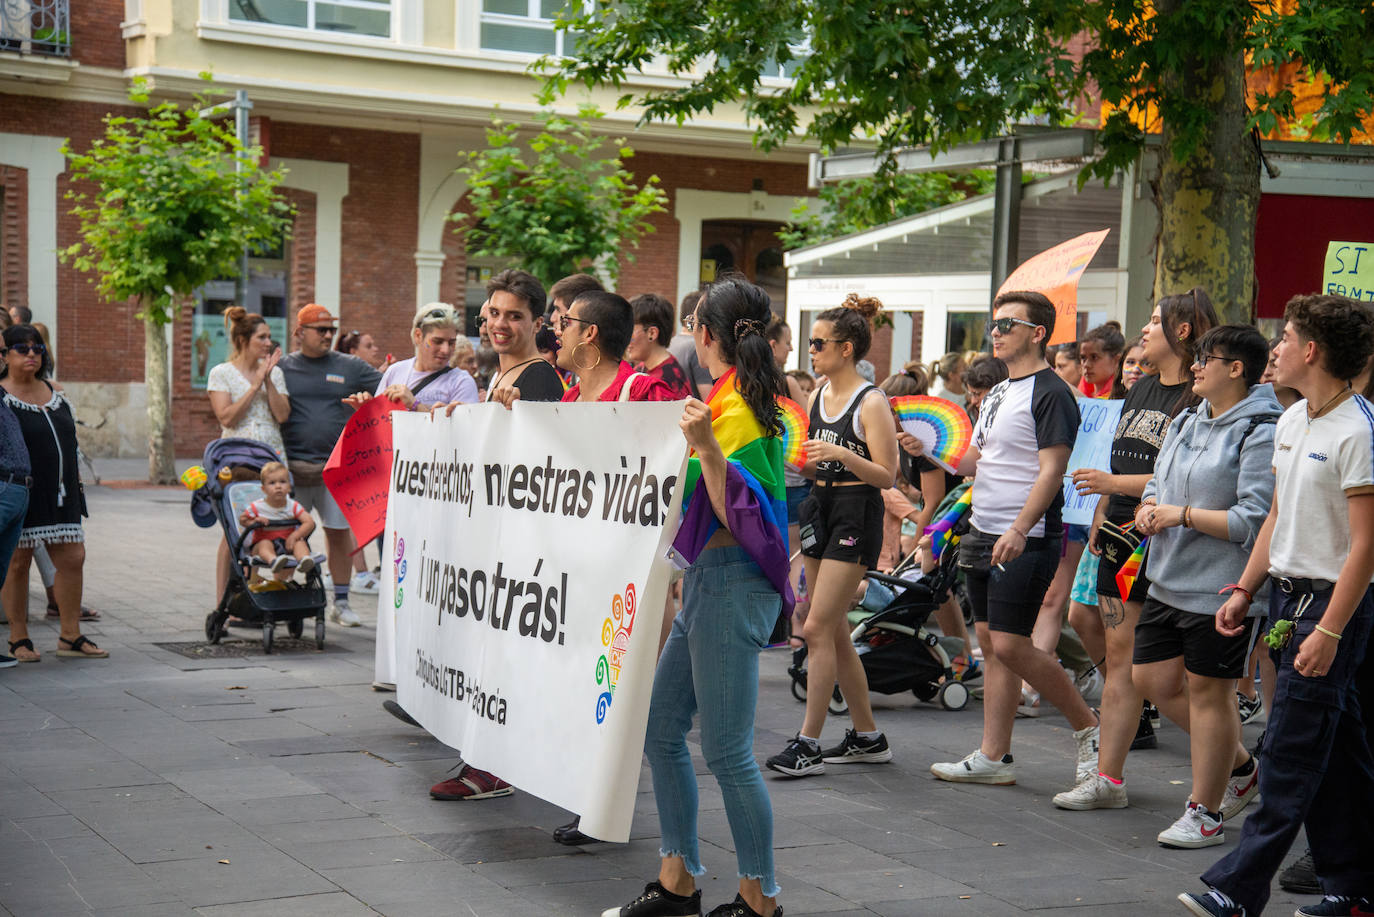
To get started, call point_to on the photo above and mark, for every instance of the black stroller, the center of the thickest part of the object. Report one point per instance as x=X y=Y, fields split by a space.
x=293 y=602
x=897 y=652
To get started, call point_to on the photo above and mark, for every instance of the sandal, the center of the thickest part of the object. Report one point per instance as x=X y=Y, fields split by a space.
x=76 y=649
x=17 y=645
x=87 y=612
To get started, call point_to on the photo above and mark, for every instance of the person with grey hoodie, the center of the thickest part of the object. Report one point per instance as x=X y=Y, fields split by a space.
x=1211 y=490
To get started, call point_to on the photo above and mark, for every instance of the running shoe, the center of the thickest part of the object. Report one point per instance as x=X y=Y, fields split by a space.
x=1301 y=877
x=1195 y=828
x=1212 y=904
x=657 y=901
x=363 y=583
x=1240 y=792
x=740 y=908
x=1250 y=707
x=473 y=784
x=1086 y=742
x=344 y=615
x=1030 y=704
x=7 y=662
x=1097 y=792
x=1089 y=685
x=1337 y=906
x=857 y=750
x=798 y=759
x=977 y=768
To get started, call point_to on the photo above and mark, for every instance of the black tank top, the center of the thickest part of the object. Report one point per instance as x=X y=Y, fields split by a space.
x=840 y=431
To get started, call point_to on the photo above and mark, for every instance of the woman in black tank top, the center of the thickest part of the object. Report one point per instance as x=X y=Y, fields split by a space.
x=852 y=448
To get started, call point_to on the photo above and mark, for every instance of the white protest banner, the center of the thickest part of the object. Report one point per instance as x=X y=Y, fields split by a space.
x=527 y=575
x=1092 y=449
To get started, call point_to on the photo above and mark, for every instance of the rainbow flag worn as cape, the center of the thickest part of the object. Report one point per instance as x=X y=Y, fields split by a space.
x=755 y=498
x=941 y=532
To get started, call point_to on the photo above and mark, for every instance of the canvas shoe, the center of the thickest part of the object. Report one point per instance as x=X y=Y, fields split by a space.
x=740 y=908
x=280 y=563
x=1250 y=707
x=1336 y=906
x=471 y=784
x=1240 y=792
x=657 y=901
x=1211 y=904
x=857 y=750
x=306 y=565
x=343 y=615
x=977 y=768
x=1086 y=742
x=798 y=759
x=1195 y=828
x=363 y=583
x=1097 y=792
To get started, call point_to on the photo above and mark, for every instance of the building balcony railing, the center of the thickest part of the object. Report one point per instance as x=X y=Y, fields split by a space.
x=36 y=27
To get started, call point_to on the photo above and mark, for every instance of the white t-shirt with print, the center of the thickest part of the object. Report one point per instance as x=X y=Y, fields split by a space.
x=1318 y=465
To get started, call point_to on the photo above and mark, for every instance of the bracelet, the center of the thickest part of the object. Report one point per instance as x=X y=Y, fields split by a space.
x=1187 y=517
x=1332 y=634
x=1024 y=536
x=1237 y=587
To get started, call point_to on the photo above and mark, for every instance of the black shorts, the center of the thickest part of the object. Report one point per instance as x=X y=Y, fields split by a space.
x=842 y=523
x=1008 y=599
x=1165 y=632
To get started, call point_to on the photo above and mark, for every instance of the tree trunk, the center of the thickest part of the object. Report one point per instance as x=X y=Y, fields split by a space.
x=1208 y=202
x=161 y=468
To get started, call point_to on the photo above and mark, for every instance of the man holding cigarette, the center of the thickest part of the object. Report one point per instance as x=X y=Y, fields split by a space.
x=1026 y=429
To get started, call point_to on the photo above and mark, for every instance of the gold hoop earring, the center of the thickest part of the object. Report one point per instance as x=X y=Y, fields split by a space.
x=578 y=366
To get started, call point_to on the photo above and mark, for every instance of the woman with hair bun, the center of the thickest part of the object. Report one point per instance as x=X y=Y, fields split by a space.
x=947 y=378
x=732 y=535
x=248 y=391
x=853 y=440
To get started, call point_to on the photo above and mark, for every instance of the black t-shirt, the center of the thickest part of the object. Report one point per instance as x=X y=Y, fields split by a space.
x=539 y=382
x=1144 y=421
x=913 y=466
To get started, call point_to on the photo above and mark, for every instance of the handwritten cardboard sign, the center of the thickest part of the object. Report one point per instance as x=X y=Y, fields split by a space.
x=1349 y=270
x=1092 y=449
x=358 y=472
x=1056 y=272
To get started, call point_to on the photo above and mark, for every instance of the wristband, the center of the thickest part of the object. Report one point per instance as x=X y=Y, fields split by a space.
x=1237 y=587
x=1330 y=633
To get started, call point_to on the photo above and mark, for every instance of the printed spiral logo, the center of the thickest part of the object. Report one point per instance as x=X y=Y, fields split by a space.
x=615 y=638
x=398 y=570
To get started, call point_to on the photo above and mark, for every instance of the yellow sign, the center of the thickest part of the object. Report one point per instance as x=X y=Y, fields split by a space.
x=1056 y=272
x=1349 y=270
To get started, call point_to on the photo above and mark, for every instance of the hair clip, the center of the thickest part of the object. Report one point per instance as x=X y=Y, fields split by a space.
x=746 y=326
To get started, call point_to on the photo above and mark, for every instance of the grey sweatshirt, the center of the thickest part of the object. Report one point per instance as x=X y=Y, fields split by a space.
x=1207 y=462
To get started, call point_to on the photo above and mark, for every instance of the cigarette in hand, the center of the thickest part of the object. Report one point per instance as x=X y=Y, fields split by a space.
x=1002 y=568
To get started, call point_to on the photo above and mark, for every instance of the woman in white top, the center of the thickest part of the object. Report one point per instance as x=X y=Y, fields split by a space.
x=947 y=378
x=248 y=394
x=427 y=379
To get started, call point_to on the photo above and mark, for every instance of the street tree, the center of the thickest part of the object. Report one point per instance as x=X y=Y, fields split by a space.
x=903 y=73
x=162 y=211
x=556 y=202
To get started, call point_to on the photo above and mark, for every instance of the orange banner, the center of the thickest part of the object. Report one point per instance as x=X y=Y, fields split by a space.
x=1055 y=272
x=358 y=472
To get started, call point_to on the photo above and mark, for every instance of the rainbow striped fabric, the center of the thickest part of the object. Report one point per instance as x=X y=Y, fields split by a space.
x=942 y=532
x=755 y=498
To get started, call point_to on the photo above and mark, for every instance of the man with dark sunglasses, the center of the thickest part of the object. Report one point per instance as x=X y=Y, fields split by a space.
x=318 y=379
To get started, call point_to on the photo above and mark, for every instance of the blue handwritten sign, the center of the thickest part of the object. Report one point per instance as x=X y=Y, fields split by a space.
x=1092 y=449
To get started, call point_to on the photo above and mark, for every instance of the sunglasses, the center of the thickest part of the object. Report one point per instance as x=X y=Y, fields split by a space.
x=819 y=343
x=1004 y=325
x=26 y=349
x=326 y=330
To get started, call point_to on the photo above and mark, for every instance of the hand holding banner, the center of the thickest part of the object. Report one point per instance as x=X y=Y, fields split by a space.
x=1092 y=449
x=1056 y=272
x=359 y=469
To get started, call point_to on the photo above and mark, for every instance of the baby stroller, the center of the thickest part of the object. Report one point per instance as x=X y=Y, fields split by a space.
x=897 y=652
x=293 y=602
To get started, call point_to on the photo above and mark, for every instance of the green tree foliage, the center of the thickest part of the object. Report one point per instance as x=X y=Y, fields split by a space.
x=162 y=211
x=857 y=204
x=567 y=208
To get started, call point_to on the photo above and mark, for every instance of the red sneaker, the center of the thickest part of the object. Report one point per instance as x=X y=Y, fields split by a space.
x=471 y=784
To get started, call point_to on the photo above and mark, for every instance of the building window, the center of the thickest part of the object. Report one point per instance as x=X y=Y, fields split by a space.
x=524 y=26
x=350 y=17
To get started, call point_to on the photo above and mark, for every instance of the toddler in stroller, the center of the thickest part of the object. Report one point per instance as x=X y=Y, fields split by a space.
x=283 y=526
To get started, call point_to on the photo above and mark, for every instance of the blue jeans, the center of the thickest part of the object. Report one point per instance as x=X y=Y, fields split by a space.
x=711 y=664
x=14 y=505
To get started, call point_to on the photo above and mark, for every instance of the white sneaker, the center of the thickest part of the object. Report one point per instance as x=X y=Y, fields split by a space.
x=1086 y=740
x=343 y=615
x=1240 y=792
x=1089 y=686
x=1194 y=829
x=977 y=768
x=279 y=563
x=1097 y=792
x=1030 y=703
x=363 y=583
x=306 y=565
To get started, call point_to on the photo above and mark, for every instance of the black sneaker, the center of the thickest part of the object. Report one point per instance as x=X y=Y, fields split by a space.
x=1250 y=707
x=798 y=759
x=739 y=908
x=657 y=901
x=1144 y=734
x=857 y=750
x=1301 y=877
x=1336 y=906
x=1211 y=904
x=1153 y=713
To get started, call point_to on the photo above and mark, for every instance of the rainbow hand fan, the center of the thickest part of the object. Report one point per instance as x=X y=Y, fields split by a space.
x=941 y=426
x=1130 y=570
x=941 y=532
x=794 y=424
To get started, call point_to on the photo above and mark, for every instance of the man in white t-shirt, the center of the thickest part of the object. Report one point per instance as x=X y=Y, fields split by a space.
x=1318 y=546
x=1026 y=428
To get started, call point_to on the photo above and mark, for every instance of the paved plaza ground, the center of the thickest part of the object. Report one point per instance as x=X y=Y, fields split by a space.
x=156 y=785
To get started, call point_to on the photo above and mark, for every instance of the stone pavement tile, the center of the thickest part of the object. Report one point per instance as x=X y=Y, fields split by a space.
x=19 y=800
x=181 y=837
x=256 y=875
x=235 y=731
x=829 y=856
x=124 y=800
x=974 y=905
x=165 y=909
x=59 y=775
x=66 y=872
x=340 y=829
x=441 y=885
x=863 y=886
x=311 y=807
x=557 y=869
x=496 y=845
x=336 y=853
x=315 y=744
x=329 y=904
x=253 y=781
x=48 y=827
x=1071 y=889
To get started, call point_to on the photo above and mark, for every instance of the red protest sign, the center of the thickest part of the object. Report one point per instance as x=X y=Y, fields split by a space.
x=1056 y=272
x=359 y=469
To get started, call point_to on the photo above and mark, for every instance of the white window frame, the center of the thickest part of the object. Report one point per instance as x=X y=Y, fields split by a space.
x=532 y=20
x=224 y=8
